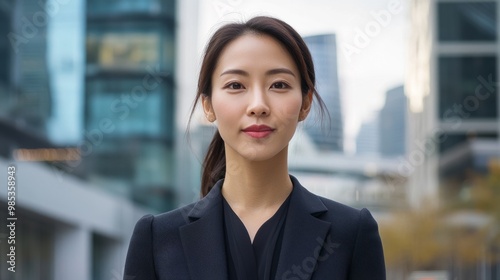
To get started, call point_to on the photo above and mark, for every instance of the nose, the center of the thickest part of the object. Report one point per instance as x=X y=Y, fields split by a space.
x=258 y=103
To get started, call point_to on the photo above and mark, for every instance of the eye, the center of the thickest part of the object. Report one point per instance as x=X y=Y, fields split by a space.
x=234 y=85
x=280 y=85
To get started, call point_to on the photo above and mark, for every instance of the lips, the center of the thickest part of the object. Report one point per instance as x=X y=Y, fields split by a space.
x=258 y=131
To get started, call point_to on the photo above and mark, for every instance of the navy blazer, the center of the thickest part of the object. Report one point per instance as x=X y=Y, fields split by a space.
x=322 y=240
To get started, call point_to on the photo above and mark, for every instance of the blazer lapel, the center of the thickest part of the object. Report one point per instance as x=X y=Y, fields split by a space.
x=304 y=235
x=203 y=238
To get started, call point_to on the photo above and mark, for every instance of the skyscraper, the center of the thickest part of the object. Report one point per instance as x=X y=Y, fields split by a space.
x=29 y=98
x=324 y=52
x=452 y=91
x=129 y=98
x=367 y=141
x=392 y=124
x=454 y=123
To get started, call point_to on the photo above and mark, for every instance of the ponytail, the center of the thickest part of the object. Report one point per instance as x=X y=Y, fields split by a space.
x=214 y=164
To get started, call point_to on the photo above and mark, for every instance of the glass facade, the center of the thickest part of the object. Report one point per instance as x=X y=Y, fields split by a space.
x=459 y=79
x=29 y=99
x=132 y=45
x=466 y=54
x=4 y=58
x=453 y=140
x=467 y=21
x=115 y=65
x=130 y=60
x=138 y=112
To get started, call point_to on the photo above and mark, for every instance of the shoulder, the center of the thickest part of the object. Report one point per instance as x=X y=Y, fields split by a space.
x=342 y=217
x=346 y=220
x=156 y=239
x=346 y=213
x=174 y=219
x=165 y=221
x=334 y=211
x=358 y=231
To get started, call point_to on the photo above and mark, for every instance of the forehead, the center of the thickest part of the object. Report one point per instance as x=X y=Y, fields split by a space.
x=257 y=52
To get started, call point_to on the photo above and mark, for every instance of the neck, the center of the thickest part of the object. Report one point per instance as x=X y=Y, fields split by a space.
x=256 y=184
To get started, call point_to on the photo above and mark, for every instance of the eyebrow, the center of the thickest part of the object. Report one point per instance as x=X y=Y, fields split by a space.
x=268 y=73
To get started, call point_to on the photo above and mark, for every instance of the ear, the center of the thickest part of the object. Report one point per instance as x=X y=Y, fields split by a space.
x=306 y=105
x=207 y=108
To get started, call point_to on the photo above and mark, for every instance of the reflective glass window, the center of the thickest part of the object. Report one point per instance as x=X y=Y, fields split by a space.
x=130 y=46
x=132 y=109
x=464 y=21
x=467 y=87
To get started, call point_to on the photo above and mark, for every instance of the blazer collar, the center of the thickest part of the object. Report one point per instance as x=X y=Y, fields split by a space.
x=208 y=203
x=304 y=233
x=303 y=200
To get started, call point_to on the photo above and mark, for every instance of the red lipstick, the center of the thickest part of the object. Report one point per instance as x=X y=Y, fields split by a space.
x=258 y=131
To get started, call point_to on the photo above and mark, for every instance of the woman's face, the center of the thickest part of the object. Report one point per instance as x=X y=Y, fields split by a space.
x=256 y=83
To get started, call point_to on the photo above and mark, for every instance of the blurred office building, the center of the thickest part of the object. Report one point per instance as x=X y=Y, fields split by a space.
x=392 y=124
x=452 y=90
x=87 y=117
x=328 y=135
x=384 y=134
x=367 y=140
x=5 y=26
x=30 y=67
x=129 y=98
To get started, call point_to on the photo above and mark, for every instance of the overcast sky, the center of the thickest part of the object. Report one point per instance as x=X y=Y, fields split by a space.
x=367 y=69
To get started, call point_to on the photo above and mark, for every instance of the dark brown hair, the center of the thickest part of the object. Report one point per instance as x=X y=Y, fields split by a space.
x=214 y=164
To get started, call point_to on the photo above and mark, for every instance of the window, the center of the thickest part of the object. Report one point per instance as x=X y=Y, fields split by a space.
x=463 y=21
x=451 y=140
x=128 y=50
x=141 y=113
x=130 y=46
x=459 y=79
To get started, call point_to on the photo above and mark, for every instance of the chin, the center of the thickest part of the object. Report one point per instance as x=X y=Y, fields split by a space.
x=261 y=154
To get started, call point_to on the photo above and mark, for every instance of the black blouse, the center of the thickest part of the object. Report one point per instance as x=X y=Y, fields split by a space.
x=257 y=260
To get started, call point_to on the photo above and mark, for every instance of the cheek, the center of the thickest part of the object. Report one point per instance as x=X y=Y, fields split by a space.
x=291 y=109
x=225 y=109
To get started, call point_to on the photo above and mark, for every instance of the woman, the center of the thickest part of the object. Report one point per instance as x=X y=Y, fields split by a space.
x=255 y=221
